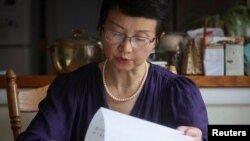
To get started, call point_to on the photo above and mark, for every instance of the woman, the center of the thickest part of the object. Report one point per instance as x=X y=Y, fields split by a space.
x=124 y=82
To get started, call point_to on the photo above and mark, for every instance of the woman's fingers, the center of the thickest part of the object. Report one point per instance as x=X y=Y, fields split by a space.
x=193 y=132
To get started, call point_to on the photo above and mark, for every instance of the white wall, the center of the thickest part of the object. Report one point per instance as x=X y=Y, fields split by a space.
x=227 y=105
x=224 y=105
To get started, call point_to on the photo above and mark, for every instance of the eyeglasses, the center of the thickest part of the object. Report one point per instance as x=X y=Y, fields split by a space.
x=115 y=37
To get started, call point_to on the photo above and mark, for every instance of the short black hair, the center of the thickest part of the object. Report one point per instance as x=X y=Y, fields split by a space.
x=152 y=9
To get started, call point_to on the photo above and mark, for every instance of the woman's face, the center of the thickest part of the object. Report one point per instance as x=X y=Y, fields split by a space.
x=123 y=52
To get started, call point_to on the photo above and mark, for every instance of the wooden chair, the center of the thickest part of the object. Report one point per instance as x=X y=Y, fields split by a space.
x=21 y=100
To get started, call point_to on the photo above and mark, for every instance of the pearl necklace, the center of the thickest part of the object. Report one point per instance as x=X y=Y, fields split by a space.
x=127 y=98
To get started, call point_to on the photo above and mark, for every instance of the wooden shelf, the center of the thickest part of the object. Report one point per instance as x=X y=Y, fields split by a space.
x=221 y=81
x=201 y=81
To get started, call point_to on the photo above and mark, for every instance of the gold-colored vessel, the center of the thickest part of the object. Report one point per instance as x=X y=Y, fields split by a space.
x=68 y=54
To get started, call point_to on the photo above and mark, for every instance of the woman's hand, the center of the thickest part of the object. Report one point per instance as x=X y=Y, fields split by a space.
x=193 y=132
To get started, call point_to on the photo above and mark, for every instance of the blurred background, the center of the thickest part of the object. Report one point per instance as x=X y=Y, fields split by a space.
x=29 y=27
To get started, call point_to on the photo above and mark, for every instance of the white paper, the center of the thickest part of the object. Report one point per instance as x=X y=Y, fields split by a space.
x=108 y=125
x=214 y=61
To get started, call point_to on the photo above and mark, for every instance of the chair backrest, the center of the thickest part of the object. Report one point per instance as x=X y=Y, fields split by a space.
x=21 y=100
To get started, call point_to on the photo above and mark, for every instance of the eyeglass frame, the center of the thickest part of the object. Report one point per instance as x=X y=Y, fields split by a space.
x=130 y=39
